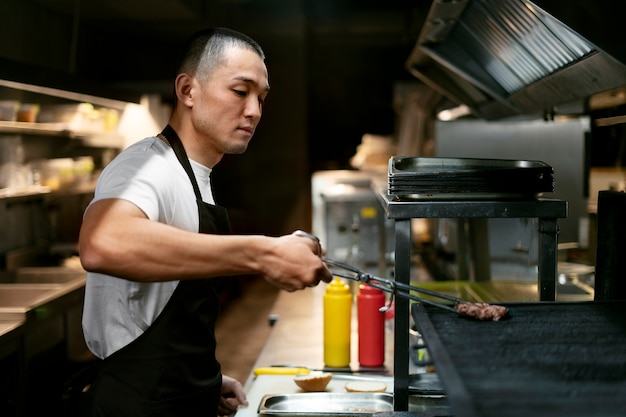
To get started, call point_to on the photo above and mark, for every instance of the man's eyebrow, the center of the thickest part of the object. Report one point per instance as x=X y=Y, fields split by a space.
x=251 y=81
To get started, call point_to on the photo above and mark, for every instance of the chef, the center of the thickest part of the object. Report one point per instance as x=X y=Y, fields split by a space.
x=154 y=242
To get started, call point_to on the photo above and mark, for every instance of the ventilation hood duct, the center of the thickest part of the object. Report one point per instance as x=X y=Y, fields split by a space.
x=503 y=58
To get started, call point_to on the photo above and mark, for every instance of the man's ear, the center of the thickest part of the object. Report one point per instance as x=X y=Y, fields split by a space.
x=184 y=87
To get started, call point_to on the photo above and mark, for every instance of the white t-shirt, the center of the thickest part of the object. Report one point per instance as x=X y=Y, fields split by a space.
x=148 y=175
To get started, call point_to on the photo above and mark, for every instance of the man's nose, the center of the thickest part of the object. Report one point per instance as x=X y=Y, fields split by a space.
x=253 y=109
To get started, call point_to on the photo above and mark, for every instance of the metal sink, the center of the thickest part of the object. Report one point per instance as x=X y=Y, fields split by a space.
x=21 y=298
x=26 y=289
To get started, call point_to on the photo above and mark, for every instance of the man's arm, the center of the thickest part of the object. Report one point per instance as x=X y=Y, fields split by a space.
x=118 y=239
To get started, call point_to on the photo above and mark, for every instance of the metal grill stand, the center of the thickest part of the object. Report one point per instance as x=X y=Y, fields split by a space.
x=547 y=211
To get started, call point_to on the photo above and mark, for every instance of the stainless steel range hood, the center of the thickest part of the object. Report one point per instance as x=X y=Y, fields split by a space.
x=509 y=57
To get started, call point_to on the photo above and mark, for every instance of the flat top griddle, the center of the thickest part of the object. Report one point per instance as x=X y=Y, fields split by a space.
x=545 y=359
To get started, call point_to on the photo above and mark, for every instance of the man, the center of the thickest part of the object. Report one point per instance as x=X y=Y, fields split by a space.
x=153 y=243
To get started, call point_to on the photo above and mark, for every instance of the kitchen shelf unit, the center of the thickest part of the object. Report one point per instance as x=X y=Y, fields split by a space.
x=54 y=130
x=40 y=214
x=547 y=211
x=61 y=130
x=37 y=192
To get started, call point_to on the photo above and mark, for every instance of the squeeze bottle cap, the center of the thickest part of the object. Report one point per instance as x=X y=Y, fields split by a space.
x=338 y=287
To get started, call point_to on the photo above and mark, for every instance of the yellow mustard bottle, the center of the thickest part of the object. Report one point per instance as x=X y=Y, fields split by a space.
x=337 y=324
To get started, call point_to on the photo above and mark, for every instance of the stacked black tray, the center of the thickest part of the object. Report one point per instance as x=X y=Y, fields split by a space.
x=468 y=178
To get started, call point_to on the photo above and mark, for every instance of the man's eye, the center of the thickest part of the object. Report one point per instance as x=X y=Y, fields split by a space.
x=241 y=93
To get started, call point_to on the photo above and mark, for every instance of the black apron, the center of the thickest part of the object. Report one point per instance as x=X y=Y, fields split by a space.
x=171 y=369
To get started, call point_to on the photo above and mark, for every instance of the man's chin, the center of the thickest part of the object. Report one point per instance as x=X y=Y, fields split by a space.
x=237 y=149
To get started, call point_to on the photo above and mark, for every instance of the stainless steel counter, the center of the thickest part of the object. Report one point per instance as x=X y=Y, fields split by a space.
x=10 y=334
x=40 y=329
x=19 y=300
x=43 y=304
x=8 y=326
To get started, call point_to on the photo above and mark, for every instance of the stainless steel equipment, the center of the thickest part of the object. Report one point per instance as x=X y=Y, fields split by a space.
x=349 y=219
x=510 y=57
x=546 y=359
x=512 y=243
x=326 y=404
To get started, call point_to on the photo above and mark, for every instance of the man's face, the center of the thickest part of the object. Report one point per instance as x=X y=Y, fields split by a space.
x=229 y=104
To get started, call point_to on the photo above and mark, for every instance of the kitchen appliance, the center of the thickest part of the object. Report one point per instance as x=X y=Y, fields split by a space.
x=512 y=243
x=503 y=58
x=349 y=219
x=545 y=359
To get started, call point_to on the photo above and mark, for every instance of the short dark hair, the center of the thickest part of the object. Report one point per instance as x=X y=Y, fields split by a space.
x=204 y=51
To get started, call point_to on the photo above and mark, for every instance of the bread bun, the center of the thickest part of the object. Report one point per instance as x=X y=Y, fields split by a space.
x=314 y=381
x=366 y=386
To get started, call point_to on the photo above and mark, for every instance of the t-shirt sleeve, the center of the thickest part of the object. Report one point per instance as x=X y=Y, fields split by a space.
x=134 y=177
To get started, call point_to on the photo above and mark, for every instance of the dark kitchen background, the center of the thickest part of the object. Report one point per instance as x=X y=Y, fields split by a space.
x=333 y=66
x=340 y=71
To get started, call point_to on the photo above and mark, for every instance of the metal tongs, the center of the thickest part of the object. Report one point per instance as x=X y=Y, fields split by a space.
x=481 y=311
x=394 y=288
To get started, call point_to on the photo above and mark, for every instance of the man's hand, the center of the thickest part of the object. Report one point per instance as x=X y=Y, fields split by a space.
x=293 y=262
x=232 y=396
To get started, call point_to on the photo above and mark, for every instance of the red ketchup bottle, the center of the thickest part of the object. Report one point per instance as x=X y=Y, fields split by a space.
x=371 y=325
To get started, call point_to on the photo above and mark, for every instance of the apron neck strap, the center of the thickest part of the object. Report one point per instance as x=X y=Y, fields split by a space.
x=171 y=137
